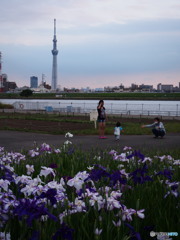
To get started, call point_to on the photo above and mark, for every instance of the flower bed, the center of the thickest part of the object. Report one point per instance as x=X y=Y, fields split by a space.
x=64 y=193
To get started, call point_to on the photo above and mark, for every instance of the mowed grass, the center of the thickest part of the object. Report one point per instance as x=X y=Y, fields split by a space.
x=82 y=125
x=115 y=96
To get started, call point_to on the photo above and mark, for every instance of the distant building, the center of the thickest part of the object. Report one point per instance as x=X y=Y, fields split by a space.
x=99 y=89
x=165 y=87
x=85 y=90
x=159 y=87
x=134 y=87
x=6 y=85
x=33 y=82
x=43 y=87
x=47 y=86
x=176 y=89
x=72 y=90
x=9 y=86
x=117 y=89
x=121 y=86
x=108 y=89
x=4 y=80
x=146 y=88
x=4 y=77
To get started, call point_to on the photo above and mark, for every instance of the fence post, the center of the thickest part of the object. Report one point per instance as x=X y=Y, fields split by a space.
x=126 y=106
x=37 y=106
x=177 y=110
x=84 y=107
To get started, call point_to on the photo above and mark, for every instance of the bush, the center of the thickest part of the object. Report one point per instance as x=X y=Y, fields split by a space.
x=26 y=93
x=6 y=106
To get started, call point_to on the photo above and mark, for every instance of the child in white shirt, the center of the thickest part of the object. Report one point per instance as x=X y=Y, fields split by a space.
x=117 y=131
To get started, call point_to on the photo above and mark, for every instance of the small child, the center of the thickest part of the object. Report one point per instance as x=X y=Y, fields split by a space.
x=117 y=131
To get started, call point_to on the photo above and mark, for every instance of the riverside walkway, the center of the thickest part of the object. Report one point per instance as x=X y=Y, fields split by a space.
x=17 y=141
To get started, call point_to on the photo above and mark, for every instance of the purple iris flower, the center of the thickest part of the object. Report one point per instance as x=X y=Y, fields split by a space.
x=116 y=176
x=45 y=148
x=97 y=174
x=136 y=154
x=90 y=188
x=134 y=235
x=50 y=195
x=166 y=173
x=67 y=178
x=100 y=166
x=80 y=192
x=64 y=232
x=174 y=187
x=32 y=210
x=53 y=165
x=139 y=175
x=7 y=202
x=70 y=151
x=8 y=174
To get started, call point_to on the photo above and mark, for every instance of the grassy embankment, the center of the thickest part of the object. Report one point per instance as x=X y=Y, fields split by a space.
x=79 y=125
x=106 y=96
x=130 y=126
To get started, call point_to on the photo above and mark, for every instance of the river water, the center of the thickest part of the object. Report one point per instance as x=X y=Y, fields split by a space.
x=170 y=108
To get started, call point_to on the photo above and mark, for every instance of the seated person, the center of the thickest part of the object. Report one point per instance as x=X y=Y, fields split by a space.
x=158 y=128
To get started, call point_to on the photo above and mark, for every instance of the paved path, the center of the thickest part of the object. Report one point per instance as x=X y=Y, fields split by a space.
x=16 y=141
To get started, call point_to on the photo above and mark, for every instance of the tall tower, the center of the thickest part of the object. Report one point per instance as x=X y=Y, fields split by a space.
x=1 y=80
x=54 y=65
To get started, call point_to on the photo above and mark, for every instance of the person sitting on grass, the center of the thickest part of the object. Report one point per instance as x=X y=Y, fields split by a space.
x=117 y=131
x=158 y=128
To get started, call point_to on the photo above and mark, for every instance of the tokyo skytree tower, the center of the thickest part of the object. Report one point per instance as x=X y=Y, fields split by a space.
x=54 y=65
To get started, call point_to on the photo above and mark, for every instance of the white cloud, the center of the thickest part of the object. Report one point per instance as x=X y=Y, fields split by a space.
x=35 y=14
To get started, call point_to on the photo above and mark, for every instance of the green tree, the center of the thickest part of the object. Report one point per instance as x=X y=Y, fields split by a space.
x=26 y=93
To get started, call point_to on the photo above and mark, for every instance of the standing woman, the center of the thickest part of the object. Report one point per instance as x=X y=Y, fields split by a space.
x=101 y=118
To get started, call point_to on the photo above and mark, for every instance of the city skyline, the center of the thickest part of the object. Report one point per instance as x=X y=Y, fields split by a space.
x=101 y=43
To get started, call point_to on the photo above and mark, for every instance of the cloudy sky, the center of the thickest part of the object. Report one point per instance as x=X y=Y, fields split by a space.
x=100 y=42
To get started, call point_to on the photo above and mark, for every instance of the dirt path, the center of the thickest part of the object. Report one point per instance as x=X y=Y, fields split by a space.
x=16 y=141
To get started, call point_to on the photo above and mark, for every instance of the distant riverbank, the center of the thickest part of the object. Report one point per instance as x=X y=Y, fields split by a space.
x=96 y=96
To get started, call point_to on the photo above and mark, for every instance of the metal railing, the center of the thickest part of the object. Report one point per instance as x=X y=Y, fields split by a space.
x=111 y=108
